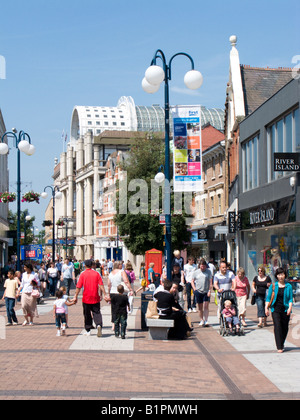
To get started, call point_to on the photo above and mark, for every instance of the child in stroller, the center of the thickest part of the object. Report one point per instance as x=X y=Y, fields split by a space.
x=229 y=314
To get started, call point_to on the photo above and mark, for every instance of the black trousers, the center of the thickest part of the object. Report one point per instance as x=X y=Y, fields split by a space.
x=91 y=312
x=281 y=327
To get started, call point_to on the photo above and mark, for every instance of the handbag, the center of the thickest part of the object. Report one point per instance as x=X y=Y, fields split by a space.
x=35 y=293
x=144 y=283
x=272 y=296
x=253 y=299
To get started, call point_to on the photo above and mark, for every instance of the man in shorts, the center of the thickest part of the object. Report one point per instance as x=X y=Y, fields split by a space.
x=202 y=284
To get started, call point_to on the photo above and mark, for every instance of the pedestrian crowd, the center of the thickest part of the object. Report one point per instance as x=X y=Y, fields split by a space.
x=191 y=283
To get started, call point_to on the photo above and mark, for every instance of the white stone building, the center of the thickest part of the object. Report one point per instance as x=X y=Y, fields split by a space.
x=96 y=133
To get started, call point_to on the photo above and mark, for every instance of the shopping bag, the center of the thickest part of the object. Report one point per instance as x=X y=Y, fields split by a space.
x=152 y=310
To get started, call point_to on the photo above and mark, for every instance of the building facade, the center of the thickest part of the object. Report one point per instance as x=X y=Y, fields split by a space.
x=269 y=200
x=247 y=89
x=98 y=135
x=209 y=213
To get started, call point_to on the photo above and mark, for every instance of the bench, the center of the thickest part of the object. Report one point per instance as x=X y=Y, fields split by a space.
x=158 y=328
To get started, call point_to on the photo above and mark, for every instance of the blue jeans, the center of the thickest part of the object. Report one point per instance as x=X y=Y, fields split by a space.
x=121 y=320
x=260 y=302
x=60 y=320
x=67 y=284
x=10 y=304
x=53 y=285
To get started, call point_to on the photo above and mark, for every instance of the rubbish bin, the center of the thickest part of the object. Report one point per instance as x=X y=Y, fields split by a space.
x=146 y=297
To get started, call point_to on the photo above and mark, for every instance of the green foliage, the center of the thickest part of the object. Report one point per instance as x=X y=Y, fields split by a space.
x=142 y=231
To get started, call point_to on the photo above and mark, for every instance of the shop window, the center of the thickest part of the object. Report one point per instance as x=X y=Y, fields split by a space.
x=272 y=247
x=282 y=137
x=250 y=158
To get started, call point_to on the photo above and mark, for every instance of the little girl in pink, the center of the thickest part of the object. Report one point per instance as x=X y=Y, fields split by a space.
x=230 y=315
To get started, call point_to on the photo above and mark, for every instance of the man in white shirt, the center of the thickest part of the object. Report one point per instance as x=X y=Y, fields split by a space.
x=188 y=269
x=67 y=274
x=202 y=285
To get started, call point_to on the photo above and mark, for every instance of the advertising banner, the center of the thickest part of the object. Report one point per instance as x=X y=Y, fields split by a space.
x=32 y=252
x=187 y=148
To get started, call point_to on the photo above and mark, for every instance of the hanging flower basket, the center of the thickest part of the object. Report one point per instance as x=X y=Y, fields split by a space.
x=7 y=197
x=31 y=196
x=60 y=222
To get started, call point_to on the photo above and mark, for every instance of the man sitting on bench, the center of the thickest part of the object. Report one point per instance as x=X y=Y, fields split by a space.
x=168 y=308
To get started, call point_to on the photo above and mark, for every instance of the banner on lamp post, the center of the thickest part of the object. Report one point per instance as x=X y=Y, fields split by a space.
x=187 y=148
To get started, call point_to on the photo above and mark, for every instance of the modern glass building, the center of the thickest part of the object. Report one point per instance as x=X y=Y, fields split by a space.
x=130 y=117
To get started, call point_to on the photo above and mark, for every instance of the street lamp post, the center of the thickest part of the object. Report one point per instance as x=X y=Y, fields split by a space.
x=55 y=194
x=23 y=144
x=68 y=221
x=154 y=76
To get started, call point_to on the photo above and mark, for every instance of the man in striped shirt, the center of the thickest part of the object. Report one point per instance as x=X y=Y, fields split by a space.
x=223 y=278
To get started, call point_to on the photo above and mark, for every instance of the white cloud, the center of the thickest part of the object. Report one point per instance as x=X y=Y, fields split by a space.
x=185 y=91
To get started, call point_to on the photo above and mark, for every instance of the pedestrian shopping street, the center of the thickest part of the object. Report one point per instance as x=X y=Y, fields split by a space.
x=37 y=364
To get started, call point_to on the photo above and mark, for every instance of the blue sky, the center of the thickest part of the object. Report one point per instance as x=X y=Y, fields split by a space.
x=63 y=53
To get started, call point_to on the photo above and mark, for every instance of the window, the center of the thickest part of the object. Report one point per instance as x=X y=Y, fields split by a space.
x=220 y=203
x=250 y=158
x=89 y=122
x=212 y=206
x=204 y=208
x=221 y=165
x=282 y=137
x=100 y=229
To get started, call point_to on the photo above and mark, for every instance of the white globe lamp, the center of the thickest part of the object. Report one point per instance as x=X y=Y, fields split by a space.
x=155 y=75
x=193 y=79
x=3 y=149
x=24 y=146
x=44 y=195
x=58 y=195
x=159 y=177
x=31 y=150
x=148 y=88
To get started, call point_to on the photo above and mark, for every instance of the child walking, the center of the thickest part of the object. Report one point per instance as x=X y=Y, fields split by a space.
x=121 y=303
x=11 y=286
x=59 y=312
x=67 y=298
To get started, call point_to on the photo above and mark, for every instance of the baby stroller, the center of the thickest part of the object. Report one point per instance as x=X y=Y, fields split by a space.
x=224 y=327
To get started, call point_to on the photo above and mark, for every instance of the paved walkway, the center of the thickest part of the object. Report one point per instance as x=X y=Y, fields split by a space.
x=37 y=364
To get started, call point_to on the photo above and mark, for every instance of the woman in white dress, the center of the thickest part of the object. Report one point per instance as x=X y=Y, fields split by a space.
x=29 y=302
x=115 y=278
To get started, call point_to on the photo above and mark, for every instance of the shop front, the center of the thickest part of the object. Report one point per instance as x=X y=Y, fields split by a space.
x=270 y=236
x=206 y=245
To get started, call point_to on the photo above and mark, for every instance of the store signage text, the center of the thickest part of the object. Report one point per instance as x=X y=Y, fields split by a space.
x=262 y=216
x=287 y=162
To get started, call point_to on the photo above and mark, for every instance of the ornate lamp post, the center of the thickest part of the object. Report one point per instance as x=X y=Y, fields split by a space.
x=23 y=144
x=154 y=76
x=55 y=194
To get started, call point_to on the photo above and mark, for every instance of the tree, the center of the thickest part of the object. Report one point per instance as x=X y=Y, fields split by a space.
x=140 y=225
x=26 y=228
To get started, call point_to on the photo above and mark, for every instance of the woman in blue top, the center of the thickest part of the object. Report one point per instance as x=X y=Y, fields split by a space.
x=281 y=307
x=151 y=273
